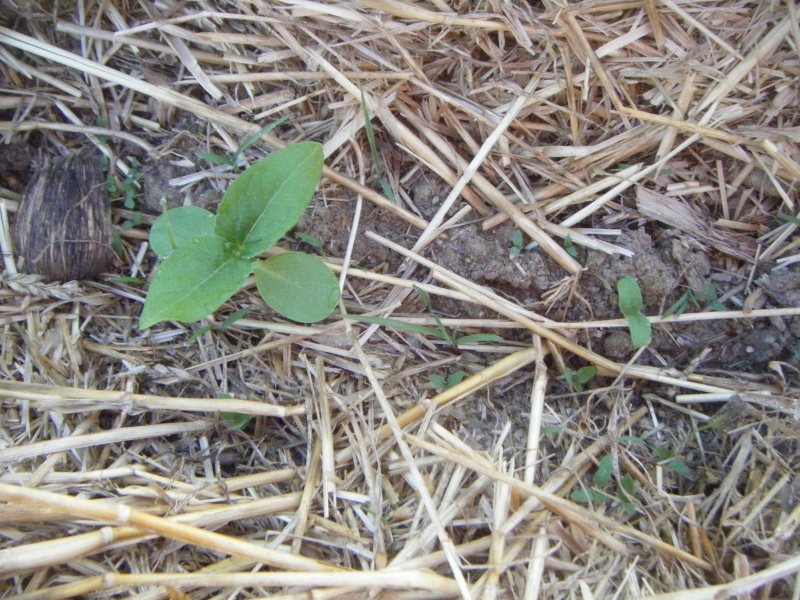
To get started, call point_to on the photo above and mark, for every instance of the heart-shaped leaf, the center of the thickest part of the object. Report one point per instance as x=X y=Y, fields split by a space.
x=178 y=227
x=268 y=199
x=298 y=286
x=194 y=281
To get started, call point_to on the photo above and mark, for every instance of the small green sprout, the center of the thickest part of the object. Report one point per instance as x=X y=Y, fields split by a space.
x=577 y=379
x=234 y=420
x=208 y=257
x=440 y=332
x=569 y=246
x=516 y=244
x=706 y=296
x=311 y=240
x=442 y=384
x=630 y=303
x=387 y=189
x=233 y=160
x=625 y=488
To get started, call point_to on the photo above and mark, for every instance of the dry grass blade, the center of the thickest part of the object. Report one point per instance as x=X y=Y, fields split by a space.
x=500 y=436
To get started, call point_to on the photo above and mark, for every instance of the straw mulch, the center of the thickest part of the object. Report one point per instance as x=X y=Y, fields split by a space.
x=671 y=475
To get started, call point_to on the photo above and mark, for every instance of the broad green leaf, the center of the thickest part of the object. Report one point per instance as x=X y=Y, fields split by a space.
x=516 y=238
x=604 y=471
x=178 y=227
x=267 y=200
x=298 y=286
x=677 y=465
x=630 y=296
x=640 y=329
x=628 y=483
x=194 y=281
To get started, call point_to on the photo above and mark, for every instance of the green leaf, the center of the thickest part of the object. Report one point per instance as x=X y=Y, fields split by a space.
x=550 y=429
x=125 y=279
x=215 y=158
x=640 y=330
x=249 y=141
x=309 y=239
x=604 y=471
x=789 y=219
x=517 y=239
x=230 y=320
x=587 y=496
x=628 y=484
x=423 y=295
x=235 y=420
x=455 y=378
x=677 y=465
x=298 y=286
x=395 y=324
x=479 y=338
x=178 y=227
x=267 y=200
x=633 y=439
x=194 y=281
x=438 y=381
x=514 y=252
x=680 y=306
x=630 y=296
x=569 y=246
x=585 y=374
x=569 y=375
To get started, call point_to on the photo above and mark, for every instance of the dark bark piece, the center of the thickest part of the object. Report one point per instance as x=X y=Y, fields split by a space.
x=63 y=229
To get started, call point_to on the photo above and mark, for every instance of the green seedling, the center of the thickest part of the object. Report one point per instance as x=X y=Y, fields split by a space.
x=387 y=189
x=630 y=303
x=233 y=160
x=442 y=384
x=230 y=320
x=665 y=456
x=441 y=332
x=789 y=219
x=234 y=420
x=706 y=296
x=126 y=191
x=577 y=379
x=311 y=240
x=569 y=246
x=208 y=257
x=517 y=244
x=625 y=488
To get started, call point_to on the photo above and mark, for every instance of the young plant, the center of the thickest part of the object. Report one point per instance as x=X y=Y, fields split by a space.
x=441 y=332
x=707 y=295
x=630 y=303
x=569 y=246
x=208 y=257
x=387 y=189
x=577 y=379
x=624 y=490
x=442 y=384
x=516 y=244
x=233 y=160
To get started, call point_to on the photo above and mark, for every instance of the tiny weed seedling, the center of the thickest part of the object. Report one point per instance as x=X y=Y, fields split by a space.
x=625 y=488
x=577 y=379
x=208 y=257
x=630 y=303
x=516 y=244
x=706 y=296
x=442 y=384
x=387 y=189
x=440 y=332
x=569 y=246
x=233 y=160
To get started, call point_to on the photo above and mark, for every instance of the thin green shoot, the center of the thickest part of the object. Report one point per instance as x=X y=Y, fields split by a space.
x=230 y=320
x=517 y=244
x=233 y=160
x=384 y=183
